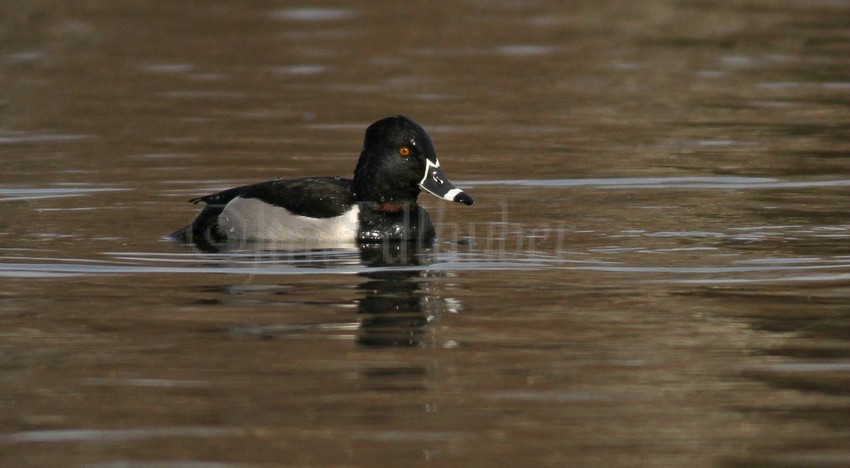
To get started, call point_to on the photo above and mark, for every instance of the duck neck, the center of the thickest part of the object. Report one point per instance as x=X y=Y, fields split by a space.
x=391 y=207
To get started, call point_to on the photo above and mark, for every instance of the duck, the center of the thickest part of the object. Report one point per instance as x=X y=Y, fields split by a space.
x=397 y=162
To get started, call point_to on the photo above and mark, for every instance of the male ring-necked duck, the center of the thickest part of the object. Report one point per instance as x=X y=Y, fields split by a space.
x=397 y=162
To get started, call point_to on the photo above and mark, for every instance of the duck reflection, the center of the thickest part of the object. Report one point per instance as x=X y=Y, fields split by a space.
x=396 y=308
x=396 y=303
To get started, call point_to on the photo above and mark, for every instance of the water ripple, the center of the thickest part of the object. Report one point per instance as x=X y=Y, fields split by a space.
x=7 y=194
x=313 y=15
x=317 y=266
x=99 y=435
x=735 y=183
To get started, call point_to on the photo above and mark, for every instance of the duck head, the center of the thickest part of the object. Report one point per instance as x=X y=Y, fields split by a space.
x=397 y=162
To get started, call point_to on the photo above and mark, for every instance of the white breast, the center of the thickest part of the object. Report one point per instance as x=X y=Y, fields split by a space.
x=252 y=219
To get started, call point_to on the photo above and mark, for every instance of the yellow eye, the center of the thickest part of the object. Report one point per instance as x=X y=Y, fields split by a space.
x=404 y=151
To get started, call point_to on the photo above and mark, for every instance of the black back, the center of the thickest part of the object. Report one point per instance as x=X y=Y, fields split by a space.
x=317 y=197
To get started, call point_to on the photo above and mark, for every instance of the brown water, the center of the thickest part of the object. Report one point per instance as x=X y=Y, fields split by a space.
x=656 y=272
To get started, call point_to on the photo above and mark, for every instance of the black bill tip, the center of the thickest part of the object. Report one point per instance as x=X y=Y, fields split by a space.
x=462 y=197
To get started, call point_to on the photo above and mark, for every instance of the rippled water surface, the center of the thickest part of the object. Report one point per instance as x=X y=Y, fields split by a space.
x=655 y=274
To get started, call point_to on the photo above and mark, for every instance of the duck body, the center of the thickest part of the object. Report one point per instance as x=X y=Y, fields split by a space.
x=378 y=204
x=311 y=209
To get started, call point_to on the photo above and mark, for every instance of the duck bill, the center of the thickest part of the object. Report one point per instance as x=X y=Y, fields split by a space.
x=435 y=183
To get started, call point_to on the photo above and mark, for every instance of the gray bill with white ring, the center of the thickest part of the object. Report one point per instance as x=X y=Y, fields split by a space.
x=435 y=183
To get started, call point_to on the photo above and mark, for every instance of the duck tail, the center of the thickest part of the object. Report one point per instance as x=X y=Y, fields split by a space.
x=204 y=228
x=182 y=235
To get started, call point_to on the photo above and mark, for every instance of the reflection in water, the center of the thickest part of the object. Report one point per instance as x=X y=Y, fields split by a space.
x=395 y=310
x=395 y=306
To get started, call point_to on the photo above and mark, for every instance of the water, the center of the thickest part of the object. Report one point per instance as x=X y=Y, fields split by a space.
x=655 y=272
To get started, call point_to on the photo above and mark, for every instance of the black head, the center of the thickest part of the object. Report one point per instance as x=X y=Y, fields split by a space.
x=397 y=162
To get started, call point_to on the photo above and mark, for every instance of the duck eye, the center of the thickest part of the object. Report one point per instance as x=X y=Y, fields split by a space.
x=404 y=151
